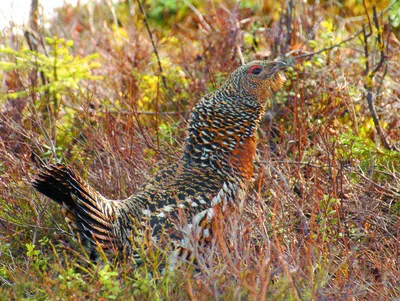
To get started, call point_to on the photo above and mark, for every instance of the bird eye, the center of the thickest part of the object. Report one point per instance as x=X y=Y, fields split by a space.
x=256 y=70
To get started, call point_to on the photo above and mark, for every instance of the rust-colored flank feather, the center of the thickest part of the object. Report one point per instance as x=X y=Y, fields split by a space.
x=182 y=200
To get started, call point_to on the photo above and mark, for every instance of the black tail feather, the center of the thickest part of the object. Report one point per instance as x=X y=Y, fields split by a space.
x=86 y=211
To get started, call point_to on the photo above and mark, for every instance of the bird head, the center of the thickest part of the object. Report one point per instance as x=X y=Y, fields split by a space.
x=257 y=79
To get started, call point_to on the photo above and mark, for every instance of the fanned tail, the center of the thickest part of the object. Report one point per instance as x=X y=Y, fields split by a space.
x=86 y=211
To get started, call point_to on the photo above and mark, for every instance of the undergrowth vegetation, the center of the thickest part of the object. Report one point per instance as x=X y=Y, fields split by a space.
x=107 y=89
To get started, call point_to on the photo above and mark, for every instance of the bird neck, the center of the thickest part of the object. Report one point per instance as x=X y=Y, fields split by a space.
x=221 y=124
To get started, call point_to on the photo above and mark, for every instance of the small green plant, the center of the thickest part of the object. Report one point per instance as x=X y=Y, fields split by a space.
x=39 y=262
x=60 y=69
x=70 y=279
x=109 y=281
x=326 y=219
x=369 y=156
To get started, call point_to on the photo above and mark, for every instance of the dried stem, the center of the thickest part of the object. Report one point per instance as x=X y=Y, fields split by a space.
x=146 y=23
x=370 y=74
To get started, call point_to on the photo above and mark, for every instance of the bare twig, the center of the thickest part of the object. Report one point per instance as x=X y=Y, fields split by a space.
x=366 y=52
x=200 y=16
x=129 y=112
x=238 y=45
x=240 y=54
x=328 y=48
x=146 y=23
x=368 y=18
x=156 y=108
x=339 y=44
x=370 y=74
x=380 y=44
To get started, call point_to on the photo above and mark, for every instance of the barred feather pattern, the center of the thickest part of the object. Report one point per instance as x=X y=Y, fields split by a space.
x=179 y=201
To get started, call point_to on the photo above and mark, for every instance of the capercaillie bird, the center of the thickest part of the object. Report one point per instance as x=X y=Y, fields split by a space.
x=180 y=201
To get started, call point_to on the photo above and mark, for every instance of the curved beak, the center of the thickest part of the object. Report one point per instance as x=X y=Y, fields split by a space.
x=278 y=66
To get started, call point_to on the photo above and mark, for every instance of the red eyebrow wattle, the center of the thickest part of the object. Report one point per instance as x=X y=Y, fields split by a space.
x=252 y=68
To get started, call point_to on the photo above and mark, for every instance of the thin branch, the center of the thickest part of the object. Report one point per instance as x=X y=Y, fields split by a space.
x=380 y=44
x=238 y=45
x=146 y=23
x=157 y=114
x=342 y=42
x=381 y=133
x=199 y=15
x=328 y=48
x=369 y=19
x=366 y=52
x=240 y=54
x=370 y=74
x=129 y=112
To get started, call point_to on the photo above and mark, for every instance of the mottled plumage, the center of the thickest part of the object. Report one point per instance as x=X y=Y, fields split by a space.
x=212 y=173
